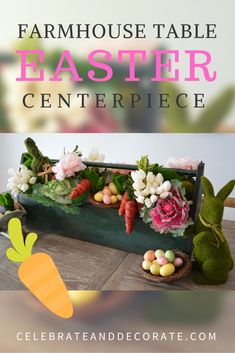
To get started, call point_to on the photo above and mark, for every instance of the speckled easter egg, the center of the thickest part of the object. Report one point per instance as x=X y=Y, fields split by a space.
x=170 y=255
x=149 y=255
x=2 y=209
x=106 y=199
x=167 y=270
x=162 y=260
x=146 y=265
x=159 y=253
x=178 y=262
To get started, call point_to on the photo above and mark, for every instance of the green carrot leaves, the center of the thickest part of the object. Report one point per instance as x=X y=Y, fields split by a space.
x=21 y=250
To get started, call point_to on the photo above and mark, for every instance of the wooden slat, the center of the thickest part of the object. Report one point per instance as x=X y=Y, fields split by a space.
x=86 y=265
x=230 y=202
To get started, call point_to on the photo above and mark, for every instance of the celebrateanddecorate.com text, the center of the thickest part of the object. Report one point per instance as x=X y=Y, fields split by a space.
x=100 y=336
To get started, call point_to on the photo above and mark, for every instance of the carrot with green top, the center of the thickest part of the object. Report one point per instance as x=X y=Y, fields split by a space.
x=38 y=272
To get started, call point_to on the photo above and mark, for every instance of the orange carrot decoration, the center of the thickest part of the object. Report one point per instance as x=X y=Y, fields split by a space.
x=125 y=198
x=38 y=272
x=130 y=212
x=80 y=189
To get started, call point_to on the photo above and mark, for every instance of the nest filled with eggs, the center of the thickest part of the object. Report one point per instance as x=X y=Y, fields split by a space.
x=165 y=268
x=106 y=198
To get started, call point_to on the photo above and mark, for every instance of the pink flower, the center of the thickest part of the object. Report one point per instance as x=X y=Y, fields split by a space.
x=182 y=163
x=171 y=213
x=69 y=164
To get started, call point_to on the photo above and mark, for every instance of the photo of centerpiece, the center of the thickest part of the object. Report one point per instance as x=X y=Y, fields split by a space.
x=144 y=208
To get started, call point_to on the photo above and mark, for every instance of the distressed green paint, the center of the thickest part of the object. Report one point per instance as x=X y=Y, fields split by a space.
x=100 y=226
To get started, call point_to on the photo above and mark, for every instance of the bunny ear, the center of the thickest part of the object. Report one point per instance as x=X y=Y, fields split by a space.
x=207 y=187
x=226 y=190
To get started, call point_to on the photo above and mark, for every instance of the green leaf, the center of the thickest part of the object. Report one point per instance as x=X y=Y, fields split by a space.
x=27 y=160
x=143 y=163
x=7 y=201
x=29 y=242
x=97 y=181
x=20 y=251
x=16 y=235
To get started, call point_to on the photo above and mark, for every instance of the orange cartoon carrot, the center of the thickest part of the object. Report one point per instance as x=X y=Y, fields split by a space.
x=38 y=272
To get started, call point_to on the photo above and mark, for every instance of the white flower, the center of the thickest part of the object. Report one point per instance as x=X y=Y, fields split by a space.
x=159 y=190
x=24 y=187
x=165 y=194
x=138 y=175
x=141 y=174
x=140 y=199
x=155 y=184
x=32 y=180
x=166 y=185
x=138 y=193
x=152 y=190
x=153 y=198
x=146 y=192
x=150 y=177
x=138 y=185
x=159 y=179
x=19 y=180
x=95 y=156
x=148 y=203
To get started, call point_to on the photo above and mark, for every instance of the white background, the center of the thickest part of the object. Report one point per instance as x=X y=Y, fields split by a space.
x=216 y=150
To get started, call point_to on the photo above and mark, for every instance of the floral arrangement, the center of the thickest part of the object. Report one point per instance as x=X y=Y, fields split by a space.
x=158 y=195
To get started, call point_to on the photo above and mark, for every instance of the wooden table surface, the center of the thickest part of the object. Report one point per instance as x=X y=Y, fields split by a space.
x=85 y=265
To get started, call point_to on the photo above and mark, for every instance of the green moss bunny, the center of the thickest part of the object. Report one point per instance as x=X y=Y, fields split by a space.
x=211 y=249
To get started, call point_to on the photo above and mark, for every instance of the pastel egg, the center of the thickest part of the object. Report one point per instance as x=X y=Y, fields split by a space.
x=170 y=255
x=98 y=196
x=155 y=269
x=106 y=191
x=113 y=198
x=149 y=255
x=167 y=270
x=159 y=253
x=162 y=260
x=119 y=197
x=2 y=209
x=113 y=189
x=146 y=265
x=178 y=262
x=1 y=215
x=106 y=199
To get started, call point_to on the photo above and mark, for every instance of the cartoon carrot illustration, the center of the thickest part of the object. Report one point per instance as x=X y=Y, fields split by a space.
x=38 y=272
x=80 y=189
